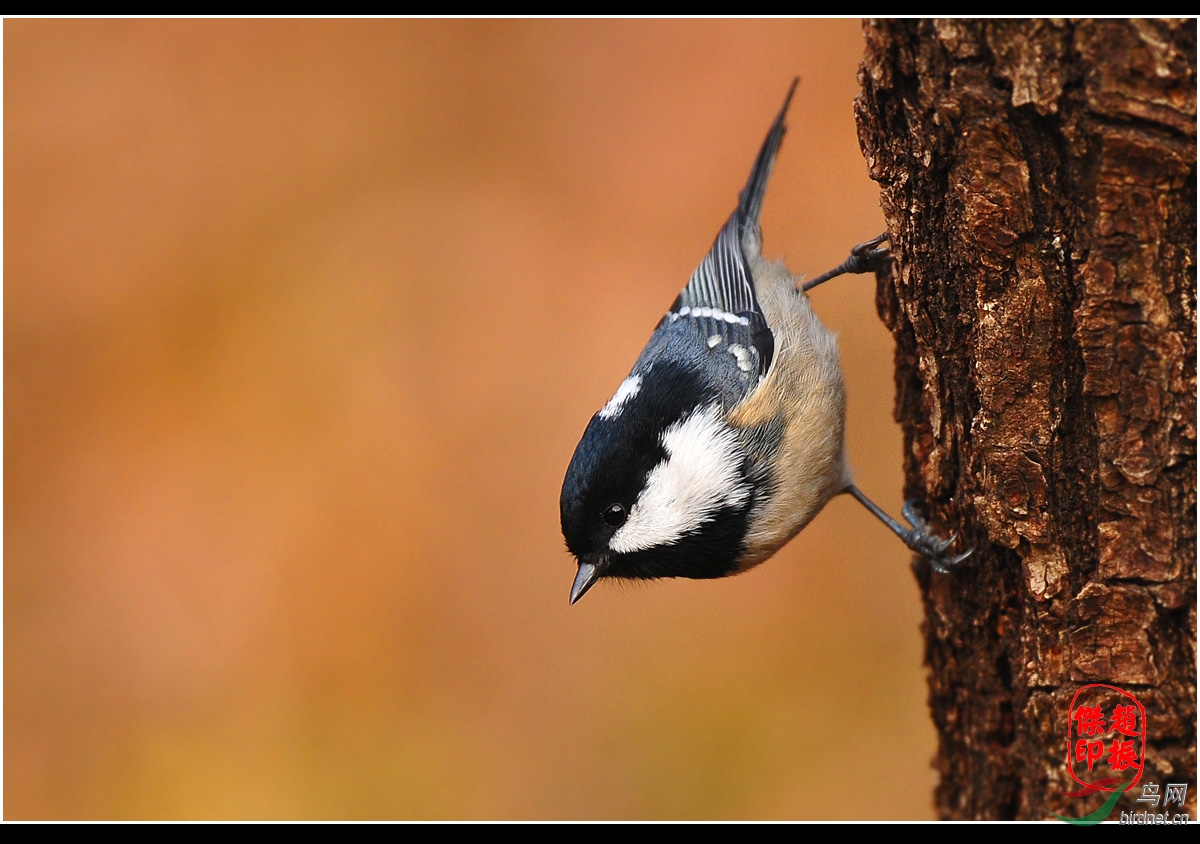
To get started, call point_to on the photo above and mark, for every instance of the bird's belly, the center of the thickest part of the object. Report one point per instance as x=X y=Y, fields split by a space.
x=803 y=396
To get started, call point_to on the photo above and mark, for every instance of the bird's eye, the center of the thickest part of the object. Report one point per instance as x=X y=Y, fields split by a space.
x=614 y=515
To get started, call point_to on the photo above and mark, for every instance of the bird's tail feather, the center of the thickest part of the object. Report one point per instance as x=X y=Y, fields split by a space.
x=751 y=198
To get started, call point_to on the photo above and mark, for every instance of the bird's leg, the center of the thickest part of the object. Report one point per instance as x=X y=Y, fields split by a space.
x=864 y=258
x=917 y=536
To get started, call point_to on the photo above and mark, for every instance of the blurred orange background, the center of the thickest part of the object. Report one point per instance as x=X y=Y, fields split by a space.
x=302 y=323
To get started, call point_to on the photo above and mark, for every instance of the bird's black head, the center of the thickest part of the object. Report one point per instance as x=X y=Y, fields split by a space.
x=657 y=486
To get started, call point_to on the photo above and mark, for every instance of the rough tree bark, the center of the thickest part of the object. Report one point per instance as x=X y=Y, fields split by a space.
x=1038 y=180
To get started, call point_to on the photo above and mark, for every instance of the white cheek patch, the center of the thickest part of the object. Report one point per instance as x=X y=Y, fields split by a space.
x=700 y=475
x=629 y=388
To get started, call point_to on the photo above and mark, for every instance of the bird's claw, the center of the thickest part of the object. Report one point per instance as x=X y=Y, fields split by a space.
x=922 y=540
x=864 y=258
x=870 y=256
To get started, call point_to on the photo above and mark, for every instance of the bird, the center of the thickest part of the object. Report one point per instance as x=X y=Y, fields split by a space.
x=727 y=437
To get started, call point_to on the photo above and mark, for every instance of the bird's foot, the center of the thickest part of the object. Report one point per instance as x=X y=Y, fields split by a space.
x=864 y=258
x=868 y=257
x=921 y=540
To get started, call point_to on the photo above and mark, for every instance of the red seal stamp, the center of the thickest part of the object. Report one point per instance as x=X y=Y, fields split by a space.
x=1106 y=738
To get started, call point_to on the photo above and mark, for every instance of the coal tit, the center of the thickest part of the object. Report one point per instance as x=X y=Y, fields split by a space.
x=726 y=439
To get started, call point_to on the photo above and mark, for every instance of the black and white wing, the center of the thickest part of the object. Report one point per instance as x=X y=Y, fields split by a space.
x=720 y=305
x=720 y=300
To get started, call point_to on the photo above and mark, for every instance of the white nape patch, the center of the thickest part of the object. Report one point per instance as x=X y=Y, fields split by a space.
x=714 y=340
x=629 y=388
x=745 y=360
x=700 y=475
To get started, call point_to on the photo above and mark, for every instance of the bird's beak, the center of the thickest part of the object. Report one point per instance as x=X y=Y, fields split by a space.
x=587 y=575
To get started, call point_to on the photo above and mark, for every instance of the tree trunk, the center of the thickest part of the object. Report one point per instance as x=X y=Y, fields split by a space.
x=1038 y=179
